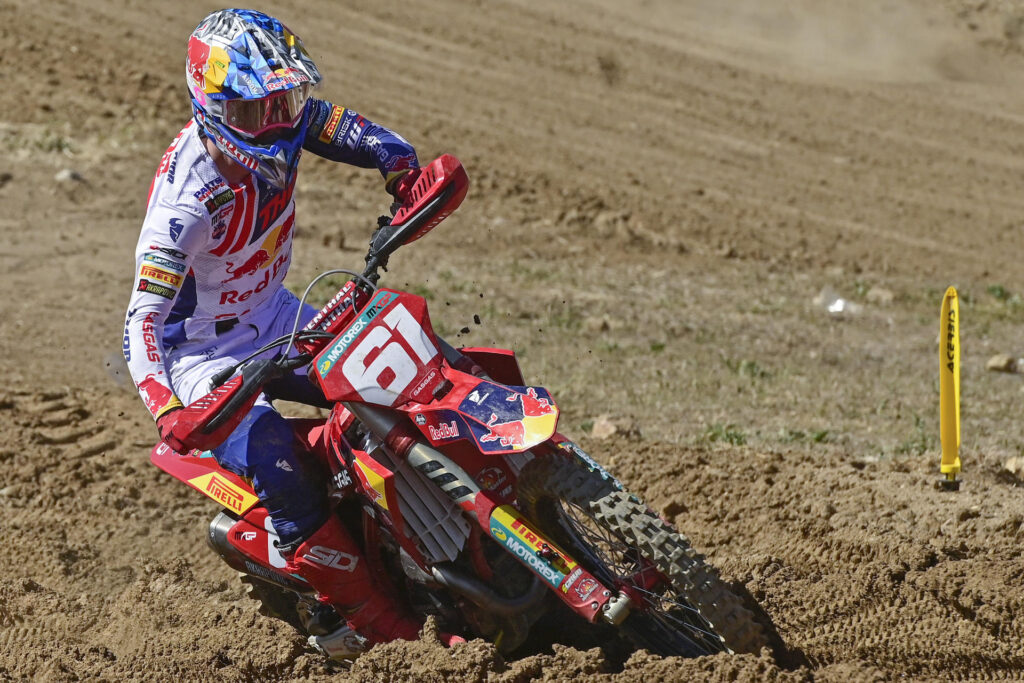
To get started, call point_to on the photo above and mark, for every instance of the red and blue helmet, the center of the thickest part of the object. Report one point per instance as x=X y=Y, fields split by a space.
x=249 y=78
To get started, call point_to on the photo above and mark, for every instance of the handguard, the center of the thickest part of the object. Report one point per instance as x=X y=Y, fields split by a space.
x=439 y=190
x=209 y=420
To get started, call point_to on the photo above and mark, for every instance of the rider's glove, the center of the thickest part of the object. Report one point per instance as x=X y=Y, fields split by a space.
x=400 y=184
x=165 y=425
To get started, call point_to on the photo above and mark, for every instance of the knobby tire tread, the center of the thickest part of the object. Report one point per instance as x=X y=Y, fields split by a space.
x=631 y=521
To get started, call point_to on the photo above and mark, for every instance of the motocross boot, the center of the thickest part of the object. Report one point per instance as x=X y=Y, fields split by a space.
x=331 y=561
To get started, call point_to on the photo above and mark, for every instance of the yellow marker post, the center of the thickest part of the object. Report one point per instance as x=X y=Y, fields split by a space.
x=949 y=389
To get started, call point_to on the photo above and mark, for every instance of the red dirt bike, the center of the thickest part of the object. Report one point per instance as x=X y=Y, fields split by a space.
x=449 y=468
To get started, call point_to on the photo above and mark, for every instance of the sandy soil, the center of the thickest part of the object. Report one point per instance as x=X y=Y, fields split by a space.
x=661 y=189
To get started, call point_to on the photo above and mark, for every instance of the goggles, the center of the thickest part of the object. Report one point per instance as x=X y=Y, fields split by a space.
x=255 y=117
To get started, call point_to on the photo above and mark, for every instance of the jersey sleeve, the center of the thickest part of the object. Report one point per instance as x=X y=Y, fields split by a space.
x=340 y=134
x=171 y=236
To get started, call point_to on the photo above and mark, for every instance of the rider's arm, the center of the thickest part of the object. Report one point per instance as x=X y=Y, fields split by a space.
x=341 y=134
x=171 y=236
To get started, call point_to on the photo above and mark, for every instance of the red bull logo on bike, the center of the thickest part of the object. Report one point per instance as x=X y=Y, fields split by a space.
x=444 y=431
x=510 y=530
x=490 y=478
x=508 y=420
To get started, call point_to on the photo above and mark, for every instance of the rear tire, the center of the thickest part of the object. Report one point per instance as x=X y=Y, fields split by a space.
x=690 y=612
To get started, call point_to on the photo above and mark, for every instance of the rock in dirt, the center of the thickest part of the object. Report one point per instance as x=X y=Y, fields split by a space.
x=604 y=428
x=69 y=175
x=879 y=295
x=1002 y=362
x=836 y=305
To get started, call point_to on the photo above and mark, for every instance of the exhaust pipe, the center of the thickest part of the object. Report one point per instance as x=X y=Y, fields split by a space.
x=217 y=538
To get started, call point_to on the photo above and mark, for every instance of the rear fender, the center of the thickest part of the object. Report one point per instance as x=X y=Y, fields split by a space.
x=199 y=470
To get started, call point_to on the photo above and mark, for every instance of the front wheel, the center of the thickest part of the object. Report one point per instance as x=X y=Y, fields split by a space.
x=681 y=606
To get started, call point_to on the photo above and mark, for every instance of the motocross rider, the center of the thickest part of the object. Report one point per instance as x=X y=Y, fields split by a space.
x=215 y=246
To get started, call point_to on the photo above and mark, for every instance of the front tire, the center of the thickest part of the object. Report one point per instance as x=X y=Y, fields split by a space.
x=686 y=610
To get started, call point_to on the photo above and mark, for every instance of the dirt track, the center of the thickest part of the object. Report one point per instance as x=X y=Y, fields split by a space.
x=660 y=191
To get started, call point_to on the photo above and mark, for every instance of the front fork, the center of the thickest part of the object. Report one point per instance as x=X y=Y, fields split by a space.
x=580 y=590
x=573 y=584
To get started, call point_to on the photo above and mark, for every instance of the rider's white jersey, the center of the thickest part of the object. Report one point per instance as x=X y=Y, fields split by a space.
x=209 y=256
x=213 y=255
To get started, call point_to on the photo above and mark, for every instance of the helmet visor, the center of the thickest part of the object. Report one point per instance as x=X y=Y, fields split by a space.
x=255 y=117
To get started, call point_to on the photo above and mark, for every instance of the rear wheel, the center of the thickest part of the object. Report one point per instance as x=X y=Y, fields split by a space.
x=681 y=606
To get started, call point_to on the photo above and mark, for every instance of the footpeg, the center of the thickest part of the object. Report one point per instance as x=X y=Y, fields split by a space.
x=341 y=644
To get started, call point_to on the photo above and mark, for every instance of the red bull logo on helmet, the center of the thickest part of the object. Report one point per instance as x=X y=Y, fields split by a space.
x=206 y=67
x=198 y=53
